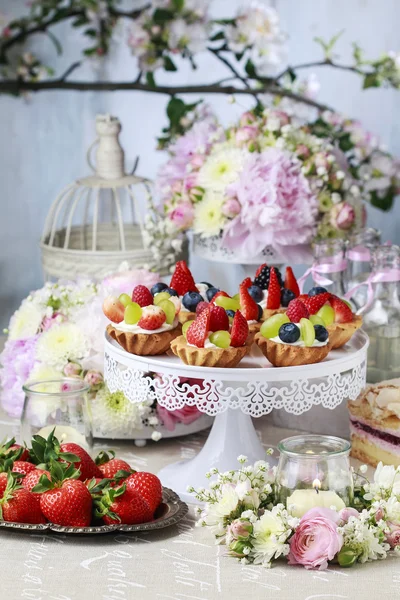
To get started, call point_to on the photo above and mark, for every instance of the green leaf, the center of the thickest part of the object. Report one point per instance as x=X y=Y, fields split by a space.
x=91 y=32
x=329 y=45
x=80 y=21
x=385 y=203
x=239 y=56
x=169 y=64
x=371 y=80
x=291 y=74
x=175 y=110
x=162 y=16
x=345 y=142
x=218 y=36
x=104 y=457
x=250 y=68
x=178 y=4
x=150 y=79
x=69 y=457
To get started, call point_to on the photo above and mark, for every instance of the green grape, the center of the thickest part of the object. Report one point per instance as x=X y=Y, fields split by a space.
x=186 y=326
x=169 y=308
x=307 y=332
x=222 y=339
x=270 y=327
x=227 y=303
x=125 y=299
x=132 y=314
x=237 y=298
x=317 y=320
x=327 y=314
x=158 y=298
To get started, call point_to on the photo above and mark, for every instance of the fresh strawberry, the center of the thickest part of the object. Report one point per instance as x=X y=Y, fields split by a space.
x=239 y=331
x=274 y=291
x=13 y=451
x=200 y=307
x=23 y=467
x=198 y=330
x=219 y=320
x=297 y=310
x=113 y=309
x=182 y=280
x=18 y=505
x=109 y=467
x=259 y=270
x=248 y=306
x=142 y=296
x=85 y=464
x=291 y=282
x=314 y=303
x=148 y=486
x=32 y=479
x=343 y=313
x=302 y=297
x=218 y=294
x=3 y=483
x=123 y=505
x=68 y=504
x=152 y=318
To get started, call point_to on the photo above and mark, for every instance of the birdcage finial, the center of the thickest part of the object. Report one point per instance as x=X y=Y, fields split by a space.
x=110 y=157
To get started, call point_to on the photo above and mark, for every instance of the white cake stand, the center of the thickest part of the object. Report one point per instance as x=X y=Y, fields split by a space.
x=233 y=396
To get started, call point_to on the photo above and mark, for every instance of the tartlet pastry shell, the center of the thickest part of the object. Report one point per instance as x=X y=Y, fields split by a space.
x=287 y=355
x=144 y=344
x=341 y=333
x=207 y=357
x=186 y=316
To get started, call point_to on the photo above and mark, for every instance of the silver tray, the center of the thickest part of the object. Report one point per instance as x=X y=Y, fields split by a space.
x=170 y=512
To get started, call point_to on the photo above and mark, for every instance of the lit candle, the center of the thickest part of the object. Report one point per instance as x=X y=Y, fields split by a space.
x=301 y=501
x=64 y=434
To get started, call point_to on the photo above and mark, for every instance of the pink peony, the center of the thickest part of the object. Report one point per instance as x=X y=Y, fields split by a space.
x=182 y=215
x=185 y=415
x=343 y=216
x=125 y=281
x=316 y=539
x=278 y=207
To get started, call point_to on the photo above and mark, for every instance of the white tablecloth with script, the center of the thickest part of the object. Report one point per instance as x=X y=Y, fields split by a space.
x=177 y=563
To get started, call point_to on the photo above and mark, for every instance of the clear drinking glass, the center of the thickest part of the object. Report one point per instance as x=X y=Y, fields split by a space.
x=330 y=263
x=358 y=254
x=62 y=404
x=314 y=470
x=381 y=319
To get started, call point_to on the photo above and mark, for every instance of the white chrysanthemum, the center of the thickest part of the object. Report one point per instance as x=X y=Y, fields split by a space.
x=270 y=535
x=26 y=321
x=208 y=216
x=114 y=414
x=364 y=538
x=221 y=168
x=216 y=513
x=60 y=344
x=43 y=372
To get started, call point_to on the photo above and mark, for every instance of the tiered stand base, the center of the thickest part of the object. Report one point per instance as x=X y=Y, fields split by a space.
x=233 y=396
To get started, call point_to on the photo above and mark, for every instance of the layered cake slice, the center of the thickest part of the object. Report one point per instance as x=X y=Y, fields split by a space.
x=375 y=424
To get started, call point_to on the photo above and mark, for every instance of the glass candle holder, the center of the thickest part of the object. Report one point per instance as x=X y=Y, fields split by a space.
x=330 y=265
x=359 y=254
x=60 y=404
x=314 y=470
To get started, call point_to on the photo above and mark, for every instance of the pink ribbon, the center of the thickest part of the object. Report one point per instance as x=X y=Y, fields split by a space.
x=388 y=276
x=360 y=253
x=316 y=269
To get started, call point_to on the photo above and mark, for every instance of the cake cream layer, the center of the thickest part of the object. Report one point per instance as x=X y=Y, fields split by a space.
x=372 y=452
x=365 y=430
x=379 y=420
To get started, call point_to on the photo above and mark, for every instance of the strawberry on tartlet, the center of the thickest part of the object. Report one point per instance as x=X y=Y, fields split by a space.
x=210 y=340
x=143 y=325
x=271 y=292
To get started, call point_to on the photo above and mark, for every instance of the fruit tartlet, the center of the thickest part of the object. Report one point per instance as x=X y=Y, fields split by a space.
x=190 y=293
x=335 y=313
x=210 y=340
x=271 y=292
x=139 y=324
x=293 y=338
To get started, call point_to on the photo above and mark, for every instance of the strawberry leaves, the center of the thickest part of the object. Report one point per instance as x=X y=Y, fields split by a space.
x=44 y=451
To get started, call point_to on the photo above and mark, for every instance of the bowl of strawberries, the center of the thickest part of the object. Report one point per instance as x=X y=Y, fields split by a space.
x=59 y=487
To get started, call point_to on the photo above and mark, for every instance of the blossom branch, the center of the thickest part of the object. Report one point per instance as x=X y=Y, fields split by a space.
x=319 y=63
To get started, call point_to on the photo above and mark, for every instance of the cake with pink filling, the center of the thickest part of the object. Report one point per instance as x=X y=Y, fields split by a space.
x=375 y=424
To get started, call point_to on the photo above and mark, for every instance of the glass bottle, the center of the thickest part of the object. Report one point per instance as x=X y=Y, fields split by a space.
x=330 y=264
x=381 y=319
x=358 y=256
x=314 y=470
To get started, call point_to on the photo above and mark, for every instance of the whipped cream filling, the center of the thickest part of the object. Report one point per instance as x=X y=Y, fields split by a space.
x=202 y=289
x=207 y=344
x=263 y=302
x=299 y=343
x=136 y=329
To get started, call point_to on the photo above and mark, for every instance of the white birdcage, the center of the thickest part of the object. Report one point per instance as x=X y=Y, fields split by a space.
x=96 y=222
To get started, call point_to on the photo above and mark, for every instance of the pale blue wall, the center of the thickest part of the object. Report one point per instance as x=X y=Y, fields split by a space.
x=44 y=139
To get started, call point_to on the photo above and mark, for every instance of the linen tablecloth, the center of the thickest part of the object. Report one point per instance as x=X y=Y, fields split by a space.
x=178 y=563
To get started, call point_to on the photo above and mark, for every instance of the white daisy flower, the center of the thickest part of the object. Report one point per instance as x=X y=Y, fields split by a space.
x=60 y=344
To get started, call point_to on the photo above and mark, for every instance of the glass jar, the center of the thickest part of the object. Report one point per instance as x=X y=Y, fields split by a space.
x=330 y=265
x=62 y=404
x=314 y=470
x=359 y=262
x=381 y=318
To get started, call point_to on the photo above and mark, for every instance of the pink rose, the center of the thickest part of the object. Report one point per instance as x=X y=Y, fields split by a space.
x=247 y=118
x=231 y=208
x=94 y=378
x=185 y=415
x=316 y=539
x=348 y=512
x=343 y=216
x=303 y=151
x=72 y=369
x=246 y=133
x=182 y=215
x=393 y=537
